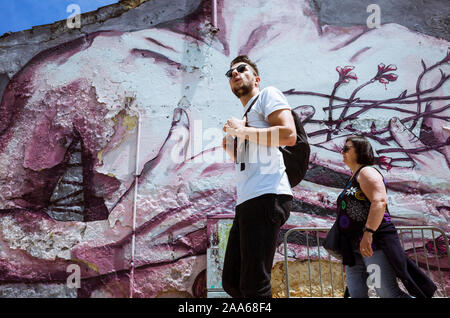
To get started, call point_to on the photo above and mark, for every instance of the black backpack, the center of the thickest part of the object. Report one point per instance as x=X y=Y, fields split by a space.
x=296 y=157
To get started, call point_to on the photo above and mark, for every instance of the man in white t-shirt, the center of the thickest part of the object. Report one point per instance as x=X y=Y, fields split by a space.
x=264 y=195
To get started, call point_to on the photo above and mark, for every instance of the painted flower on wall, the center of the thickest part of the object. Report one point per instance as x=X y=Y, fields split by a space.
x=383 y=76
x=346 y=74
x=384 y=162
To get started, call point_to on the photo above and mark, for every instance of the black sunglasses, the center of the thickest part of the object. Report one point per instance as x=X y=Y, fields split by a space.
x=241 y=69
x=346 y=148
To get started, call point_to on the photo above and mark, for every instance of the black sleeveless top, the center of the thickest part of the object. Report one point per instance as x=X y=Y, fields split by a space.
x=353 y=209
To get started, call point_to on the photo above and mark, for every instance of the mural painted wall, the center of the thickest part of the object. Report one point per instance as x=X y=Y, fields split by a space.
x=72 y=115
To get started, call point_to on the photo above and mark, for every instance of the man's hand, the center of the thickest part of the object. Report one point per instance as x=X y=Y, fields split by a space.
x=233 y=125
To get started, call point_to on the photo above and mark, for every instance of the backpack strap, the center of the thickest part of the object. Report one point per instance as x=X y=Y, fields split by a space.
x=250 y=107
x=246 y=141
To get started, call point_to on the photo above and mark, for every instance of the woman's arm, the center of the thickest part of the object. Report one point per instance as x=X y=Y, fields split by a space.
x=372 y=185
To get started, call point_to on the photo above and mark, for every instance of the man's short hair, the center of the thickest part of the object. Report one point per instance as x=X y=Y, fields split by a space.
x=245 y=59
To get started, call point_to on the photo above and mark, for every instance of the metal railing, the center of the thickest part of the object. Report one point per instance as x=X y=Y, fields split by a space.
x=408 y=241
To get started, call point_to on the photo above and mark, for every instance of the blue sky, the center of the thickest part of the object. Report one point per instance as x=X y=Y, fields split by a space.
x=17 y=15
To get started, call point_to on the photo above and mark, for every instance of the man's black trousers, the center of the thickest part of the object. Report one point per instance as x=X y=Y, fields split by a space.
x=251 y=245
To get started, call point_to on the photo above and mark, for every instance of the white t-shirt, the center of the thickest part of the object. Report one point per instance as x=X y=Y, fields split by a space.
x=264 y=171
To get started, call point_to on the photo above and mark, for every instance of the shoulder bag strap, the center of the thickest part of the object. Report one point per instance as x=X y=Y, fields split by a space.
x=246 y=141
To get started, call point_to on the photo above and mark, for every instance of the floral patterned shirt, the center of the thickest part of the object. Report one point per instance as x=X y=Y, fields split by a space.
x=353 y=209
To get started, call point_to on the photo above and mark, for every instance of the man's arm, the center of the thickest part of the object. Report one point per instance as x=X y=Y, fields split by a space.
x=281 y=132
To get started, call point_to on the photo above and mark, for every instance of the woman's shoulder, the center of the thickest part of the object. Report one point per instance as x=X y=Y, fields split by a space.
x=370 y=173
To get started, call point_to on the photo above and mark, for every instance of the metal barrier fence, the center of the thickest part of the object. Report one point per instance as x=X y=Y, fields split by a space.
x=408 y=241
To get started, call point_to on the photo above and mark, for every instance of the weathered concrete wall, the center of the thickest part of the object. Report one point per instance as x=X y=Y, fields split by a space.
x=425 y=16
x=69 y=122
x=18 y=48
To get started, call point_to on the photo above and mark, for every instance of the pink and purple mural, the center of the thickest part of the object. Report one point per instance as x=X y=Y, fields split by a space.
x=71 y=118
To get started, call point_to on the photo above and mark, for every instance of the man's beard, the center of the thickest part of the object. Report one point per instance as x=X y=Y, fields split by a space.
x=242 y=90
